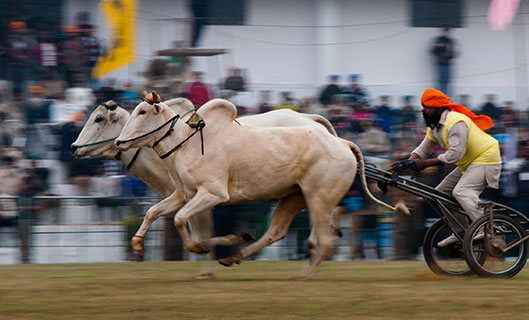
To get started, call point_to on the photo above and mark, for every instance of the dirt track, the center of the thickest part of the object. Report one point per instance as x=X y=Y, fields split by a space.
x=255 y=290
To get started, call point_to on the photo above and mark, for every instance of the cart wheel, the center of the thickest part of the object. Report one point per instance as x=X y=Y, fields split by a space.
x=449 y=260
x=499 y=264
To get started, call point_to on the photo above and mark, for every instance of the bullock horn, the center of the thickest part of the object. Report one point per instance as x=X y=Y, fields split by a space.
x=111 y=105
x=153 y=97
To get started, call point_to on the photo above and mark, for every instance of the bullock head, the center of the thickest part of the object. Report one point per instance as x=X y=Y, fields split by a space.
x=100 y=130
x=149 y=121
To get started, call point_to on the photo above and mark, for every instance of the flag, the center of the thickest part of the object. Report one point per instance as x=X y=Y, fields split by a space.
x=121 y=17
x=501 y=13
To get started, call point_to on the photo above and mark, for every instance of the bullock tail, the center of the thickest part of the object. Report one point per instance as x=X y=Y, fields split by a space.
x=399 y=207
x=321 y=120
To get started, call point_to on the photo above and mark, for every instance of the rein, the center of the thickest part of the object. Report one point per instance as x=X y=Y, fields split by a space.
x=412 y=163
x=200 y=126
x=173 y=120
x=97 y=142
x=136 y=154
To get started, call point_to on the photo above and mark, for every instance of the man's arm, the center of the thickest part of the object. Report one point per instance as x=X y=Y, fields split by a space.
x=423 y=150
x=457 y=140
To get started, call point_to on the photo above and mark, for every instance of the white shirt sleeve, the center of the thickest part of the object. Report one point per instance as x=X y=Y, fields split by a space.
x=425 y=148
x=457 y=140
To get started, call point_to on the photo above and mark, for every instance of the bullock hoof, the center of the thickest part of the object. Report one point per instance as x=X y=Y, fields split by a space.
x=138 y=247
x=229 y=261
x=198 y=248
x=226 y=262
x=246 y=237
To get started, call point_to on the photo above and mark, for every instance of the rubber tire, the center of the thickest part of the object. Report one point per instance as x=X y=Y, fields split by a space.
x=428 y=255
x=478 y=268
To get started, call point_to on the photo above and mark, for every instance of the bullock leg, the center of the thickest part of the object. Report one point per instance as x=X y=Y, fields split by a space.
x=287 y=209
x=201 y=226
x=168 y=205
x=335 y=225
x=203 y=200
x=325 y=235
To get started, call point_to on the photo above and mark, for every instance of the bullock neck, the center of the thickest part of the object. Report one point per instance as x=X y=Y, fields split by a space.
x=149 y=169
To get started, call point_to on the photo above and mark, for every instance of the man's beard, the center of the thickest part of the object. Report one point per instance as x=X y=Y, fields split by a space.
x=431 y=120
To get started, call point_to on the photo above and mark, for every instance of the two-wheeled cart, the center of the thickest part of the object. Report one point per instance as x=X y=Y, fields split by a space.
x=495 y=245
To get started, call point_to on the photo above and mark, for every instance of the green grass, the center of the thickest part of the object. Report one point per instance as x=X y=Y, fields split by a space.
x=255 y=290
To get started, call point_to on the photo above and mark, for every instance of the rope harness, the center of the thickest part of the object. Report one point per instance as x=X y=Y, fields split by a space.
x=199 y=127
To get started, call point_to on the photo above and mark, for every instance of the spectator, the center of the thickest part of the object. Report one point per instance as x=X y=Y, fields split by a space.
x=70 y=57
x=508 y=115
x=235 y=81
x=355 y=91
x=37 y=113
x=374 y=140
x=6 y=138
x=80 y=97
x=361 y=112
x=265 y=102
x=12 y=178
x=444 y=50
x=464 y=99
x=521 y=168
x=197 y=91
x=287 y=102
x=44 y=52
x=490 y=108
x=90 y=51
x=330 y=90
x=53 y=86
x=384 y=114
x=339 y=114
x=102 y=185
x=409 y=111
x=27 y=215
x=18 y=47
x=310 y=105
x=36 y=107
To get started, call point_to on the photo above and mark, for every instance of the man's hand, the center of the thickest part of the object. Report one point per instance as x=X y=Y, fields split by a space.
x=413 y=164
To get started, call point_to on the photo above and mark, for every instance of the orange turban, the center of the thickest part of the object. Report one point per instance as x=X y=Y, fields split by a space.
x=436 y=99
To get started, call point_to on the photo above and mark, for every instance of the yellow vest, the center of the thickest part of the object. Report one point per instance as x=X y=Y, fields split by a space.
x=480 y=149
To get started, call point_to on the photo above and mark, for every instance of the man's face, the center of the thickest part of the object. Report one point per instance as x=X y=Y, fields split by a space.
x=432 y=116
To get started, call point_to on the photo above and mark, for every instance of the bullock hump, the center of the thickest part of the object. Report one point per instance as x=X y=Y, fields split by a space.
x=218 y=110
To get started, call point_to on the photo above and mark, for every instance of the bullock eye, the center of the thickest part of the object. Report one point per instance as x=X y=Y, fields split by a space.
x=97 y=120
x=142 y=112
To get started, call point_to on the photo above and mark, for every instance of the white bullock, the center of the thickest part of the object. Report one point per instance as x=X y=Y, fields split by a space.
x=105 y=124
x=302 y=167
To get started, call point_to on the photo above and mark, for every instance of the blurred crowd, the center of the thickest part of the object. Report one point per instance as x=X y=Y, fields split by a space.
x=47 y=92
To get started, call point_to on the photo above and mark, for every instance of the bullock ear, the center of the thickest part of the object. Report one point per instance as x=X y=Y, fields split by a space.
x=113 y=117
x=195 y=121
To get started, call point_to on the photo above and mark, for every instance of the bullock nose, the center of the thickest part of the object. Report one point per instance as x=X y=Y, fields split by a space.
x=117 y=143
x=73 y=148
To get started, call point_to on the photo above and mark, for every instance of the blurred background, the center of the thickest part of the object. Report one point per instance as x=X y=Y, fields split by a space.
x=362 y=64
